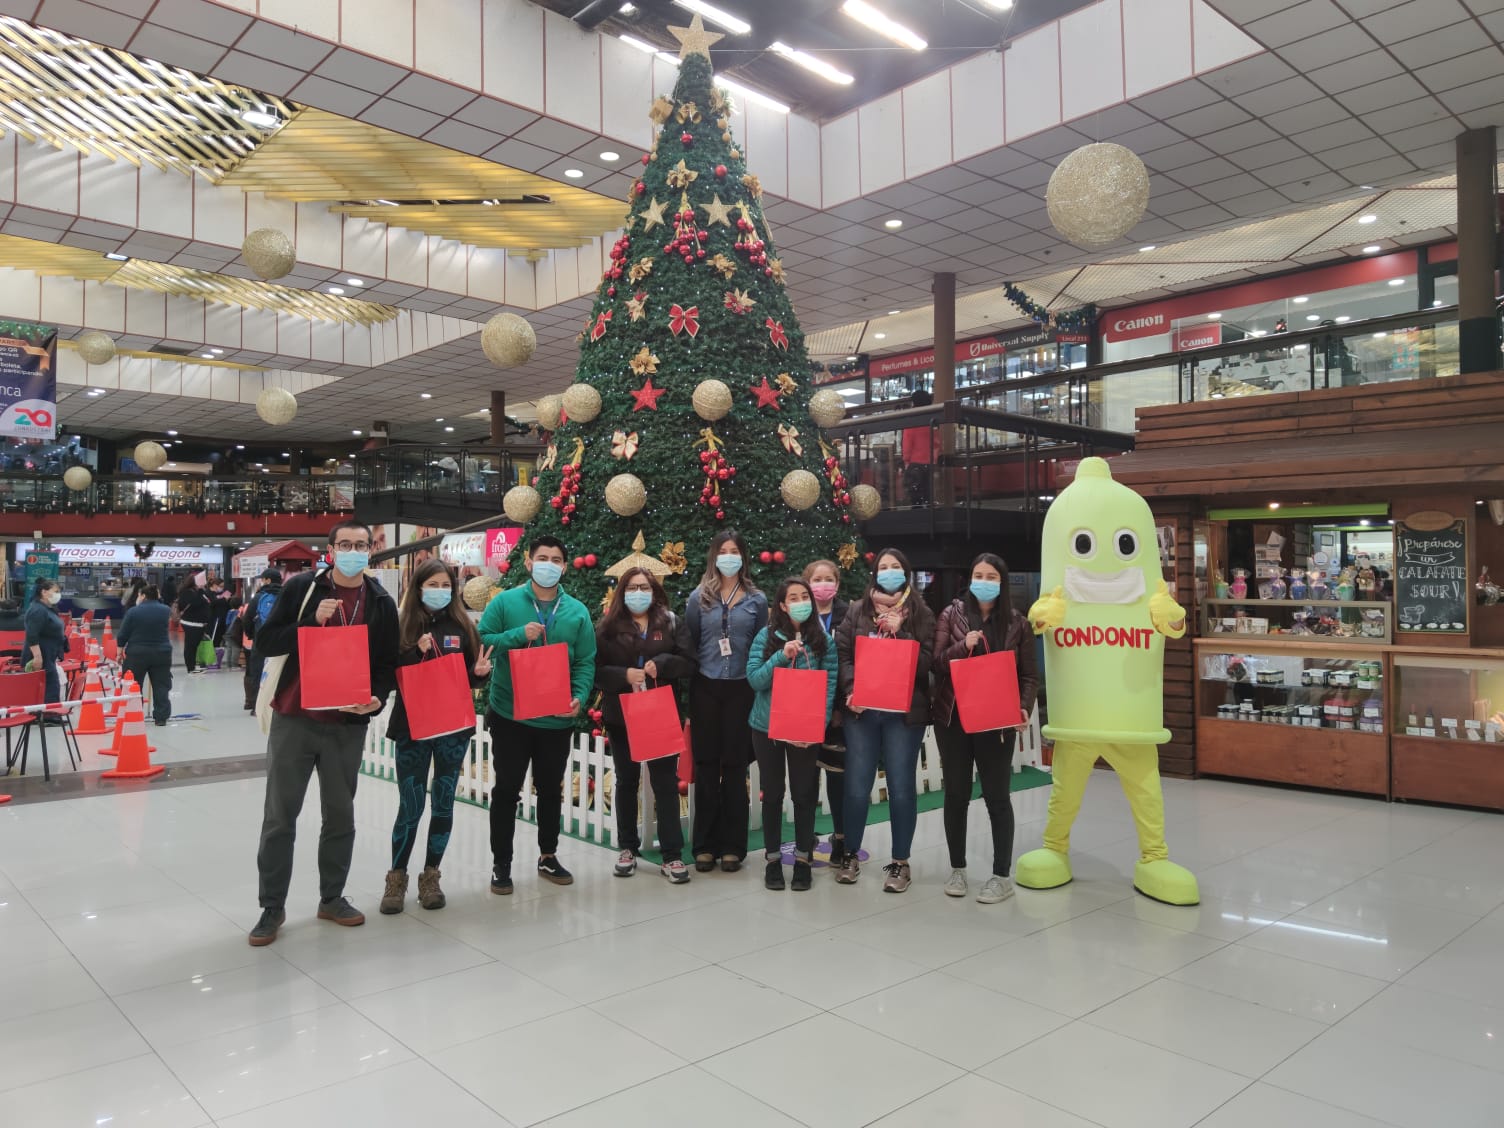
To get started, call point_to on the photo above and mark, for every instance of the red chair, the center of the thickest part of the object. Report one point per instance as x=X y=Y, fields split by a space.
x=72 y=667
x=12 y=643
x=19 y=690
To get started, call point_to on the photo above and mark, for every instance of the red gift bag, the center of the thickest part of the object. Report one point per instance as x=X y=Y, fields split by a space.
x=884 y=673
x=540 y=681
x=334 y=666
x=797 y=712
x=987 y=691
x=436 y=694
x=654 y=729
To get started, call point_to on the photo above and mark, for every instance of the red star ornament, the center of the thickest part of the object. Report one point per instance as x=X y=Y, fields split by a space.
x=767 y=395
x=598 y=330
x=776 y=333
x=647 y=397
x=681 y=320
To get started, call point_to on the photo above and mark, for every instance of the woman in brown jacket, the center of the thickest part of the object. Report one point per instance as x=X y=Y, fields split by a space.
x=982 y=620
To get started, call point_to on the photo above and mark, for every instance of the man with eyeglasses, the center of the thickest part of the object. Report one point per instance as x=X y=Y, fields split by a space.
x=330 y=742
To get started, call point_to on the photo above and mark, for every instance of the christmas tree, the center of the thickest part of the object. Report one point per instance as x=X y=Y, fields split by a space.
x=691 y=409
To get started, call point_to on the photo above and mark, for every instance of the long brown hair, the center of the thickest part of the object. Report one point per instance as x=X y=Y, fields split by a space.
x=618 y=620
x=710 y=583
x=780 y=622
x=416 y=620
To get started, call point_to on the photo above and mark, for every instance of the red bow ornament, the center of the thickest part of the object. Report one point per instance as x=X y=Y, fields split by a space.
x=681 y=320
x=598 y=330
x=776 y=333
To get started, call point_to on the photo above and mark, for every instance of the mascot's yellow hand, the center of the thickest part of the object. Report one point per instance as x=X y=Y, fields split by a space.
x=1167 y=615
x=1048 y=611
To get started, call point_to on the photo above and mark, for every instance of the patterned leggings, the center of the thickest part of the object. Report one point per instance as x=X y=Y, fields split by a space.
x=447 y=755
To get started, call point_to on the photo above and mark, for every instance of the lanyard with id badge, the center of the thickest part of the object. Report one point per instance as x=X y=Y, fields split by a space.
x=726 y=605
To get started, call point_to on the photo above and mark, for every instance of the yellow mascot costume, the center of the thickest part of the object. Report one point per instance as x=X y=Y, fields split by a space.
x=1104 y=635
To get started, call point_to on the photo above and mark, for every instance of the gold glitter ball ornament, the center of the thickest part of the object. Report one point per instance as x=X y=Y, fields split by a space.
x=800 y=489
x=276 y=406
x=866 y=503
x=521 y=504
x=508 y=340
x=1097 y=194
x=827 y=408
x=150 y=456
x=549 y=408
x=478 y=591
x=712 y=400
x=582 y=403
x=269 y=253
x=77 y=478
x=96 y=347
x=626 y=495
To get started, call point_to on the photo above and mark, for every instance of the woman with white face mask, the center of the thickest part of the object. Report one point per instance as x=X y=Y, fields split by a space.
x=46 y=641
x=722 y=617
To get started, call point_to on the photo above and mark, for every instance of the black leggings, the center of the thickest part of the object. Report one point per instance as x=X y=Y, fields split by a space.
x=991 y=754
x=773 y=757
x=663 y=775
x=192 y=636
x=719 y=710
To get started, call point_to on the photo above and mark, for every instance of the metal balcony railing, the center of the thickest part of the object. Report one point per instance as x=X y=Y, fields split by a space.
x=465 y=477
x=183 y=494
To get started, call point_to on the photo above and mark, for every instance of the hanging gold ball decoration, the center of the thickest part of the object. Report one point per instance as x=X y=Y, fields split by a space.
x=711 y=400
x=150 y=456
x=77 y=478
x=276 y=406
x=626 y=495
x=521 y=504
x=582 y=403
x=549 y=408
x=866 y=503
x=800 y=489
x=508 y=340
x=1097 y=194
x=478 y=591
x=96 y=347
x=827 y=408
x=269 y=253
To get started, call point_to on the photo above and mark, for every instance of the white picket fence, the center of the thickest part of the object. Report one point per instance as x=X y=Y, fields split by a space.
x=590 y=786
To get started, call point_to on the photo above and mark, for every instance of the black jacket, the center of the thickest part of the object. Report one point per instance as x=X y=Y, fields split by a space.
x=618 y=651
x=195 y=607
x=144 y=629
x=919 y=625
x=279 y=634
x=833 y=736
x=44 y=629
x=440 y=626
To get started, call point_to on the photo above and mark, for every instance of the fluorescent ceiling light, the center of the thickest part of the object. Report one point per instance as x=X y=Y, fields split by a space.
x=1396 y=281
x=734 y=24
x=608 y=155
x=626 y=9
x=1372 y=249
x=1146 y=250
x=999 y=5
x=1343 y=320
x=354 y=282
x=811 y=64
x=880 y=336
x=642 y=45
x=449 y=428
x=425 y=395
x=751 y=95
x=1258 y=333
x=893 y=224
x=116 y=256
x=1313 y=317
x=336 y=290
x=894 y=312
x=1300 y=301
x=239 y=446
x=1214 y=317
x=260 y=117
x=172 y=432
x=573 y=173
x=352 y=432
x=865 y=13
x=207 y=356
x=216 y=352
x=1368 y=219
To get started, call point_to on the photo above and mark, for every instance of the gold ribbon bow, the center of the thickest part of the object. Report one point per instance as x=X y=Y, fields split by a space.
x=624 y=444
x=790 y=439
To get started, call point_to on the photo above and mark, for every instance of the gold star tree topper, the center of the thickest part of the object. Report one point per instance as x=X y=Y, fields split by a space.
x=694 y=39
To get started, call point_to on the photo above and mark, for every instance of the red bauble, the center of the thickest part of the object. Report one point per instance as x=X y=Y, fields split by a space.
x=535 y=480
x=689 y=260
x=868 y=557
x=668 y=248
x=700 y=253
x=595 y=732
x=720 y=514
x=720 y=172
x=579 y=562
x=641 y=188
x=765 y=556
x=687 y=137
x=556 y=502
x=723 y=473
x=845 y=518
x=591 y=560
x=506 y=566
x=704 y=456
x=779 y=557
x=568 y=508
x=703 y=234
x=564 y=520
x=646 y=157
x=767 y=272
x=611 y=291
x=683 y=788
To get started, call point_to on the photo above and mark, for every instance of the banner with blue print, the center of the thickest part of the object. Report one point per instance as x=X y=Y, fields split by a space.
x=28 y=380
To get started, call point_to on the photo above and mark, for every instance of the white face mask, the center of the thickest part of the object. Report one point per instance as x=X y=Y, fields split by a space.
x=53 y=598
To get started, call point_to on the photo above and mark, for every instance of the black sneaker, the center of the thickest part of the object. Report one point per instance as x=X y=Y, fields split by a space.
x=501 y=880
x=730 y=863
x=341 y=912
x=704 y=863
x=831 y=757
x=837 y=851
x=266 y=928
x=773 y=875
x=551 y=869
x=803 y=877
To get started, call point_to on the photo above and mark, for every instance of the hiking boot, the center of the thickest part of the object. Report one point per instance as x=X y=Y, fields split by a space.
x=266 y=928
x=626 y=864
x=955 y=884
x=551 y=869
x=676 y=872
x=501 y=880
x=704 y=863
x=342 y=913
x=850 y=868
x=772 y=877
x=898 y=879
x=430 y=896
x=396 y=892
x=730 y=863
x=803 y=876
x=997 y=889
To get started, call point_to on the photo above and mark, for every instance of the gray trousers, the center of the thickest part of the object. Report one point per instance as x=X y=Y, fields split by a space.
x=295 y=749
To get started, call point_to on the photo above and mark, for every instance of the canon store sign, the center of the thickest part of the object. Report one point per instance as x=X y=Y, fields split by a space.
x=1130 y=325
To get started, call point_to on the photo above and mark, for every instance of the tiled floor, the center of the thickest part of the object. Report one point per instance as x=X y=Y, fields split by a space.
x=1345 y=969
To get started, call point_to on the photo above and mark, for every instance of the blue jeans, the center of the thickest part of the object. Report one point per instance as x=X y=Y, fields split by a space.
x=872 y=737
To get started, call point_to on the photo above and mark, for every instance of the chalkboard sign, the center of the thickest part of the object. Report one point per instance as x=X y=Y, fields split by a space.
x=1431 y=587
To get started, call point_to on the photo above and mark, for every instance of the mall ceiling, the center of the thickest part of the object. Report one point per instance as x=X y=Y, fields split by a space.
x=1331 y=110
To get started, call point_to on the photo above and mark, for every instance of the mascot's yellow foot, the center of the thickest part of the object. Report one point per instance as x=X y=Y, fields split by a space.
x=1164 y=881
x=1044 y=869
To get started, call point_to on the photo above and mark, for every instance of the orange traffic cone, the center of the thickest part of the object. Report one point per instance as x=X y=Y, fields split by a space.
x=135 y=755
x=107 y=642
x=121 y=689
x=4 y=798
x=91 y=713
x=132 y=691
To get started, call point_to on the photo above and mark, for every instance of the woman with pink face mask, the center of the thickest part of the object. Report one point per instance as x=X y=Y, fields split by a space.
x=824 y=580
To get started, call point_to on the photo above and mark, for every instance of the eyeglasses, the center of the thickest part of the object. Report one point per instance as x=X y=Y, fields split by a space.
x=346 y=546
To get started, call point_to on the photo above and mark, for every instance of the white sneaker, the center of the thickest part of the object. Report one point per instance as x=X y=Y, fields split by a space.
x=997 y=889
x=955 y=884
x=626 y=864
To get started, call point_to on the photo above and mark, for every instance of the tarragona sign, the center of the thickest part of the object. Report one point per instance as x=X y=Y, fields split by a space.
x=126 y=554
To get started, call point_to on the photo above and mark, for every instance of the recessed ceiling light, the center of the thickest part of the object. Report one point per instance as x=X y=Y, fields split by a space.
x=894 y=312
x=1366 y=188
x=811 y=64
x=892 y=224
x=425 y=395
x=336 y=290
x=1258 y=332
x=1377 y=336
x=1274 y=505
x=1300 y=301
x=1343 y=320
x=116 y=256
x=260 y=117
x=1372 y=249
x=1145 y=250
x=1437 y=304
x=449 y=428
x=627 y=10
x=865 y=13
x=440 y=419
x=354 y=282
x=1396 y=281
x=216 y=352
x=239 y=446
x=734 y=24
x=1000 y=5
x=608 y=155
x=573 y=173
x=172 y=432
x=355 y=432
x=287 y=454
x=173 y=466
x=207 y=356
x=851 y=358
x=1368 y=219
x=1214 y=317
x=880 y=336
x=1313 y=317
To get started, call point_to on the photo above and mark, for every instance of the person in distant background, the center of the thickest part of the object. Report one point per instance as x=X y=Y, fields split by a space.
x=918 y=455
x=148 y=650
x=196 y=614
x=258 y=607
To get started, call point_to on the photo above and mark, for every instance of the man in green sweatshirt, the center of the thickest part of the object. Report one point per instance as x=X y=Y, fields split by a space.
x=537 y=612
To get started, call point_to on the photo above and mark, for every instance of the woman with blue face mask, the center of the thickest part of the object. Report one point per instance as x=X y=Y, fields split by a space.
x=637 y=648
x=432 y=623
x=977 y=622
x=722 y=617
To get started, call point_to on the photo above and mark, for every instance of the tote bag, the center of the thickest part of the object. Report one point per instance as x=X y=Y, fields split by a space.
x=436 y=694
x=271 y=677
x=205 y=655
x=797 y=710
x=540 y=681
x=654 y=729
x=334 y=666
x=883 y=678
x=987 y=691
